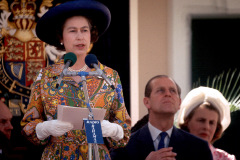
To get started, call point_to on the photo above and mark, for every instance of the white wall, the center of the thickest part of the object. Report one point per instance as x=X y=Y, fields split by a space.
x=160 y=40
x=148 y=48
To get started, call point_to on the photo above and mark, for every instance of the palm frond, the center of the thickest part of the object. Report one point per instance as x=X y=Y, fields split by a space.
x=228 y=84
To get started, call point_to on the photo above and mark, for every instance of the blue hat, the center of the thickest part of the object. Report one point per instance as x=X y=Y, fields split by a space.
x=54 y=18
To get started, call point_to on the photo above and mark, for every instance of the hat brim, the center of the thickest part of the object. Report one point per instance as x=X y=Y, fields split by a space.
x=49 y=22
x=200 y=95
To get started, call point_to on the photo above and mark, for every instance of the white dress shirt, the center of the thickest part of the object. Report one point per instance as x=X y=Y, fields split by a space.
x=155 y=133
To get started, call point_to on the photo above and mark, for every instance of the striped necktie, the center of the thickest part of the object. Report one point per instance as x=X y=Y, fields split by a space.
x=161 y=143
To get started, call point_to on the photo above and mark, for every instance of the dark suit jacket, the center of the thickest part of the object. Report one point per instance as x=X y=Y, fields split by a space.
x=187 y=146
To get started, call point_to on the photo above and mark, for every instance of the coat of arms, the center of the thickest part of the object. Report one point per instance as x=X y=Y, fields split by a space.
x=22 y=54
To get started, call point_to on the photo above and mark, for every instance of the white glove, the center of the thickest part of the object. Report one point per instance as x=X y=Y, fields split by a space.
x=112 y=130
x=53 y=127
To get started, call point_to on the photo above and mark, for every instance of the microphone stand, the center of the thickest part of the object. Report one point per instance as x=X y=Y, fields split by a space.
x=82 y=74
x=90 y=116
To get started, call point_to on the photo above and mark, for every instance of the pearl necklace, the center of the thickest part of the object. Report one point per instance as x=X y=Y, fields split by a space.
x=84 y=68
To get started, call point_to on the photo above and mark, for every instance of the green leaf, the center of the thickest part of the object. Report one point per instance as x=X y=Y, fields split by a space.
x=228 y=84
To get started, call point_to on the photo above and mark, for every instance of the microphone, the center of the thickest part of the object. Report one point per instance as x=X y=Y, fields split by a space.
x=69 y=60
x=92 y=62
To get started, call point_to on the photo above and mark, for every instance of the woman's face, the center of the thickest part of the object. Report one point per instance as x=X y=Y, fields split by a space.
x=77 y=35
x=203 y=124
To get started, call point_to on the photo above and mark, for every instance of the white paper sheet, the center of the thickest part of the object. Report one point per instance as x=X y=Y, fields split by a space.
x=75 y=115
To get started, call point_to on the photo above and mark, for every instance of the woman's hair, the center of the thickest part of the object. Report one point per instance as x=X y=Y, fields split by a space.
x=218 y=133
x=59 y=31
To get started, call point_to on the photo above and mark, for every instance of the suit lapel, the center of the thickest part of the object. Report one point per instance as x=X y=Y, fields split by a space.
x=145 y=140
x=176 y=140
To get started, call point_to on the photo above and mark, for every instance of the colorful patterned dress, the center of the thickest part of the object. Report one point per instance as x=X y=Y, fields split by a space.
x=219 y=154
x=43 y=104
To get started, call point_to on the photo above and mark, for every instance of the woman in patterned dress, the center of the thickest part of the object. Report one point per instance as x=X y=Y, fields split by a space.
x=73 y=26
x=205 y=113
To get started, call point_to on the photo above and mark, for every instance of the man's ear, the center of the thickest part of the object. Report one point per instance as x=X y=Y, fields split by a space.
x=146 y=102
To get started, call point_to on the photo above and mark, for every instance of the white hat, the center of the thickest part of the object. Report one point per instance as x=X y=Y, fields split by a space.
x=200 y=95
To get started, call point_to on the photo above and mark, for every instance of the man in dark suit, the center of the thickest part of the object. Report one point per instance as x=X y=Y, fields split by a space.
x=162 y=99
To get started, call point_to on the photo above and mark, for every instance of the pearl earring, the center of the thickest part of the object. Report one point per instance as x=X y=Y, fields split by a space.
x=61 y=43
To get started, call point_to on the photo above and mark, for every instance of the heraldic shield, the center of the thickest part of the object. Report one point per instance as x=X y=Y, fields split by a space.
x=19 y=65
x=22 y=55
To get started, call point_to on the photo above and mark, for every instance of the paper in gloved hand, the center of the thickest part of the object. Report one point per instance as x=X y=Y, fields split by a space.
x=75 y=115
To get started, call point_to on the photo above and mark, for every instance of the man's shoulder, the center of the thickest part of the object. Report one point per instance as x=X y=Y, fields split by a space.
x=187 y=146
x=140 y=132
x=189 y=138
x=140 y=137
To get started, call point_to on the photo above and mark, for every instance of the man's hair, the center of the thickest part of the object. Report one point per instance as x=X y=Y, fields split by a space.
x=148 y=88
